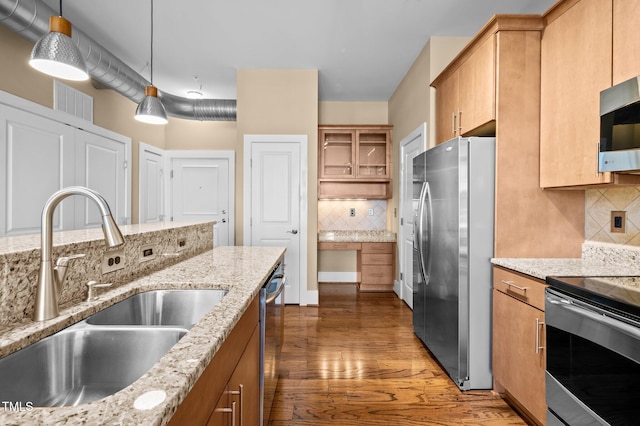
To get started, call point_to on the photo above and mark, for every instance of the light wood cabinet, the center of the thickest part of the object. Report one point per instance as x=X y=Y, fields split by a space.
x=354 y=161
x=577 y=63
x=529 y=222
x=626 y=43
x=377 y=263
x=519 y=341
x=215 y=397
x=465 y=97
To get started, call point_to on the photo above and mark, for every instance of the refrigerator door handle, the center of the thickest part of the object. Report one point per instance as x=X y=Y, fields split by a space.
x=425 y=267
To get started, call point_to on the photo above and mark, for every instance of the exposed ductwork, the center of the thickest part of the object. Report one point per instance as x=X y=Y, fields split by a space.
x=30 y=19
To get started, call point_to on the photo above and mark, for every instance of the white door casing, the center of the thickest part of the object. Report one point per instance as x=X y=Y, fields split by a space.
x=201 y=188
x=275 y=203
x=413 y=144
x=152 y=185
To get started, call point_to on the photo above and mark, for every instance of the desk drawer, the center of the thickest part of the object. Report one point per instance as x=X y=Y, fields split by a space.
x=377 y=274
x=325 y=245
x=386 y=248
x=377 y=259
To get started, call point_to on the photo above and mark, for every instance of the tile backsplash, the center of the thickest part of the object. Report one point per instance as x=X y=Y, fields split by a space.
x=333 y=215
x=599 y=203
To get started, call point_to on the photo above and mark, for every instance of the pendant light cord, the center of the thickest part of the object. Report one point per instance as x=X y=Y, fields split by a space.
x=151 y=64
x=60 y=7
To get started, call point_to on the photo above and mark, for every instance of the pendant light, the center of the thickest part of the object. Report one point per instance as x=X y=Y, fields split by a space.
x=56 y=54
x=151 y=110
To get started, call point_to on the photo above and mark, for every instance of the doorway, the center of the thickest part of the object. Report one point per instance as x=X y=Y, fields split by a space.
x=275 y=203
x=413 y=144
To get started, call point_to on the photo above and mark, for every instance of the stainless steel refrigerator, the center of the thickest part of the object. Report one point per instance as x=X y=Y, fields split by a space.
x=453 y=199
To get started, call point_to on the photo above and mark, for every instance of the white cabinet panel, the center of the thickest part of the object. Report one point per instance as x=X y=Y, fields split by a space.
x=37 y=157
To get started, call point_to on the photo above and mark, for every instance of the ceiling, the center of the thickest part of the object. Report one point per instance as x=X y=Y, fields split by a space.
x=361 y=48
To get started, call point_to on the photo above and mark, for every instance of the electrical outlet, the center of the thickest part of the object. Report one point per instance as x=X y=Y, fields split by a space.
x=618 y=221
x=371 y=212
x=181 y=244
x=352 y=212
x=112 y=261
x=147 y=253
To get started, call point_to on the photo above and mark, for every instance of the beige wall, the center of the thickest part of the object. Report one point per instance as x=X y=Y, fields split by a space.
x=353 y=113
x=282 y=102
x=413 y=103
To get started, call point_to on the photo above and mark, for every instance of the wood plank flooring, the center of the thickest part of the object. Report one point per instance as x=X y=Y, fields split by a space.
x=354 y=360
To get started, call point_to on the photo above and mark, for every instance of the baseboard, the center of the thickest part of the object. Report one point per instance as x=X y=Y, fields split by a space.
x=397 y=289
x=312 y=298
x=337 y=277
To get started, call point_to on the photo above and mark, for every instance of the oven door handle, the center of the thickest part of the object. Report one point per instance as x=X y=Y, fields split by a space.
x=582 y=320
x=272 y=296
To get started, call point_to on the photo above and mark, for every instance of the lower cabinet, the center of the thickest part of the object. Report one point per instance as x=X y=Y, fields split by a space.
x=377 y=261
x=519 y=342
x=228 y=391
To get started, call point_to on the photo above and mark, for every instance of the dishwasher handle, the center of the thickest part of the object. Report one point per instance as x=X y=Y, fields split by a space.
x=271 y=296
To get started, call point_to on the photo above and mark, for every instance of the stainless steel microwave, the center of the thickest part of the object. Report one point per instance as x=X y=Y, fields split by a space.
x=620 y=128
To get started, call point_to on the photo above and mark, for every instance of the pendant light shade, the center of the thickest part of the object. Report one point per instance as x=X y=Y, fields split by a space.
x=57 y=55
x=151 y=110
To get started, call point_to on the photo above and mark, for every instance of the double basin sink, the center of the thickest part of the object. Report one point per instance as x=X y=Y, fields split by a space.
x=104 y=353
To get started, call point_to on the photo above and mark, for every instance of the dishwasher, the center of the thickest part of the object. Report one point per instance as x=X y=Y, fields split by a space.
x=271 y=337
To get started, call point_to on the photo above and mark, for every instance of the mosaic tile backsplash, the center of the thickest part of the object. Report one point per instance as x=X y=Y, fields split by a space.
x=599 y=203
x=333 y=215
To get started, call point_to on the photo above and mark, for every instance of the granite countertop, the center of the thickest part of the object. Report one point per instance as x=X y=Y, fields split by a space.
x=598 y=260
x=241 y=270
x=357 y=236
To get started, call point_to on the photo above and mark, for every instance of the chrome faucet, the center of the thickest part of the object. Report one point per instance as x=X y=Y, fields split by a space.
x=50 y=278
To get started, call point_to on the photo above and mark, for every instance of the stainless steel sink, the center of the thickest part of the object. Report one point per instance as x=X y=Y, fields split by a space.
x=181 y=308
x=106 y=352
x=82 y=364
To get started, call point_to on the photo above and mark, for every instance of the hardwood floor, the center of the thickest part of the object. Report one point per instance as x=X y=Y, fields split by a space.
x=354 y=360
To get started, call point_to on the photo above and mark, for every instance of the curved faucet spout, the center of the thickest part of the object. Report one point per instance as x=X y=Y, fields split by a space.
x=49 y=285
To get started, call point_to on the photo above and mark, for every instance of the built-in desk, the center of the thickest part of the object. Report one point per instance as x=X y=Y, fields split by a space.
x=375 y=264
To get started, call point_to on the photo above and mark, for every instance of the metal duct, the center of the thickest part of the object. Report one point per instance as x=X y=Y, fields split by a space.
x=30 y=19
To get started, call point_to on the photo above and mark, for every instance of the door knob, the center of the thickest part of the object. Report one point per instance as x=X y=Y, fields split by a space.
x=224 y=212
x=293 y=231
x=224 y=220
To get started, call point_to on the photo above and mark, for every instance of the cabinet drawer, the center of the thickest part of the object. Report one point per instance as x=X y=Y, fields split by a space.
x=527 y=289
x=377 y=248
x=375 y=274
x=377 y=259
x=338 y=246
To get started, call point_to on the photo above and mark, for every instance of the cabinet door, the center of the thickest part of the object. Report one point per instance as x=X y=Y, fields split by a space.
x=101 y=164
x=36 y=159
x=477 y=89
x=576 y=66
x=337 y=153
x=373 y=155
x=518 y=365
x=626 y=43
x=447 y=109
x=244 y=385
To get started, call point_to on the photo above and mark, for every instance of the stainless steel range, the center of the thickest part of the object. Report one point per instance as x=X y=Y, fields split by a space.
x=593 y=350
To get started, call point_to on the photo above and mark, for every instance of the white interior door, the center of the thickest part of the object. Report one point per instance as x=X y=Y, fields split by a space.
x=37 y=159
x=101 y=165
x=151 y=172
x=410 y=146
x=201 y=189
x=278 y=203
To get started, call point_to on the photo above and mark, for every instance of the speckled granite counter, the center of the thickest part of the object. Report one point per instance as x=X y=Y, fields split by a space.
x=357 y=236
x=241 y=270
x=598 y=260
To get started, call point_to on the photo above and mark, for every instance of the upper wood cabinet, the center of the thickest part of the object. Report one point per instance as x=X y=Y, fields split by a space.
x=577 y=63
x=465 y=95
x=626 y=43
x=354 y=161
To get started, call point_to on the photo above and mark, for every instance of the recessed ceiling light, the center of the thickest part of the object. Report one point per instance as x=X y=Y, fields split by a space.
x=194 y=94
